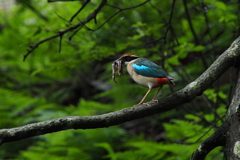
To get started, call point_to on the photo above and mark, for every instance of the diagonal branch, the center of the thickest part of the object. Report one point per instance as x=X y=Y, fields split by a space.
x=81 y=24
x=119 y=10
x=83 y=6
x=229 y=58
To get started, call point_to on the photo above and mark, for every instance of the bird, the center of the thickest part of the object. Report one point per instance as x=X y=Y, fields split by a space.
x=145 y=72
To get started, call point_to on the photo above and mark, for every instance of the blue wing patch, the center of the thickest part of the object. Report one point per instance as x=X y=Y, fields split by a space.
x=147 y=68
x=137 y=67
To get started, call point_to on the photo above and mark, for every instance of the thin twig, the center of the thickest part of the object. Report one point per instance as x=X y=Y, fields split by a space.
x=62 y=18
x=119 y=10
x=83 y=23
x=194 y=33
x=74 y=33
x=83 y=6
x=28 y=4
x=60 y=42
x=34 y=46
x=170 y=20
x=89 y=18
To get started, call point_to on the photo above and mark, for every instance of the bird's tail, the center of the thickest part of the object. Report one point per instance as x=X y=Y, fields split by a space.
x=170 y=78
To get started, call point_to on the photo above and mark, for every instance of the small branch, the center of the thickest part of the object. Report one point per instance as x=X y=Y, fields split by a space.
x=60 y=42
x=119 y=10
x=190 y=22
x=187 y=94
x=75 y=32
x=83 y=23
x=169 y=25
x=61 y=33
x=194 y=33
x=36 y=11
x=83 y=6
x=34 y=46
x=129 y=7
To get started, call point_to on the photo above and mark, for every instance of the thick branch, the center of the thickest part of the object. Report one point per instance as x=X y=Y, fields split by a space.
x=233 y=137
x=195 y=88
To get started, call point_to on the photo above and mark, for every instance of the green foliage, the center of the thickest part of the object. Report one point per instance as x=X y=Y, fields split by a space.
x=77 y=81
x=182 y=138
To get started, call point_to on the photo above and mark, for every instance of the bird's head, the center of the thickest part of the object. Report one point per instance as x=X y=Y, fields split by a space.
x=127 y=57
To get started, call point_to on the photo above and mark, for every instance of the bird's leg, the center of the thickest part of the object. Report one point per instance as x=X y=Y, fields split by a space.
x=154 y=98
x=141 y=102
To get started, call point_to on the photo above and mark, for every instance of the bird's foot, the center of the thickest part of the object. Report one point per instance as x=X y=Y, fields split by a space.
x=141 y=103
x=154 y=100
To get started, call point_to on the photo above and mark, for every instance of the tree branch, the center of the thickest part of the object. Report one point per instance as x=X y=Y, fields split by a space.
x=164 y=37
x=61 y=33
x=193 y=32
x=78 y=26
x=83 y=6
x=119 y=10
x=229 y=58
x=232 y=118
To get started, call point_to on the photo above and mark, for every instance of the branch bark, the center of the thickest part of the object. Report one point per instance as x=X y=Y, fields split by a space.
x=195 y=88
x=233 y=119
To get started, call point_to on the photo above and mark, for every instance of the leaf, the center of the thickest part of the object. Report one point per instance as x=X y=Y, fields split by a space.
x=220 y=5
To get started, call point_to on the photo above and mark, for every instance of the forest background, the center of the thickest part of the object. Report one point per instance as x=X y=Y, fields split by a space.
x=70 y=74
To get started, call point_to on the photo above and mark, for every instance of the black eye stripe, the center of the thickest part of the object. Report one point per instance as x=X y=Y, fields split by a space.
x=129 y=58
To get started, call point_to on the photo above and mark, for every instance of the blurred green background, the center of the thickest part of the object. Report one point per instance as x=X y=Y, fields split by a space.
x=77 y=81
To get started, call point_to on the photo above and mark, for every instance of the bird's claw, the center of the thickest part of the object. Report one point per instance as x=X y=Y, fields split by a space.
x=147 y=104
x=142 y=104
x=154 y=100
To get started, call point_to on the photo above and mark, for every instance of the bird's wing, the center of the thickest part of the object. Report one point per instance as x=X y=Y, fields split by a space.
x=147 y=68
